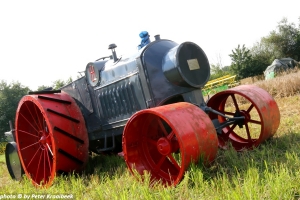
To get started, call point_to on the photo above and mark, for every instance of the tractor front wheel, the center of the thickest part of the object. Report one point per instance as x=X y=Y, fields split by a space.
x=260 y=112
x=163 y=141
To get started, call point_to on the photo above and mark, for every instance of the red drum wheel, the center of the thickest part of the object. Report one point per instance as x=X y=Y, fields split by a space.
x=165 y=140
x=51 y=136
x=260 y=110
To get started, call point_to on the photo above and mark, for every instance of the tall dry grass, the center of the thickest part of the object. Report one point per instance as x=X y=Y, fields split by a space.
x=284 y=85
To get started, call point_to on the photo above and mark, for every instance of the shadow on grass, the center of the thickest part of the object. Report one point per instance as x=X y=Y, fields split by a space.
x=275 y=152
x=103 y=166
x=108 y=164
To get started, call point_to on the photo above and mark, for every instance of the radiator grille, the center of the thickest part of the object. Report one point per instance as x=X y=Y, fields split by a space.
x=118 y=99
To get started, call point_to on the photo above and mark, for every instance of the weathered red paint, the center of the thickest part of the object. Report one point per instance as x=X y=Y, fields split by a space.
x=41 y=146
x=153 y=136
x=259 y=99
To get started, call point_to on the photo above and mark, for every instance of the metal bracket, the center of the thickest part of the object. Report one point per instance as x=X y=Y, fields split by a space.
x=229 y=120
x=149 y=103
x=105 y=148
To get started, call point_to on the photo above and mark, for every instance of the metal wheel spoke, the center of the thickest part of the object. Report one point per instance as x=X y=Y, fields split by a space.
x=49 y=149
x=231 y=129
x=254 y=121
x=175 y=163
x=151 y=141
x=38 y=169
x=39 y=122
x=44 y=169
x=171 y=135
x=45 y=127
x=160 y=162
x=33 y=157
x=32 y=116
x=49 y=163
x=235 y=102
x=162 y=127
x=248 y=131
x=250 y=108
x=29 y=146
x=28 y=133
x=29 y=123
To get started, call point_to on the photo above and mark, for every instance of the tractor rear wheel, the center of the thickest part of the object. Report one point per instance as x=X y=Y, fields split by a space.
x=51 y=136
x=261 y=114
x=164 y=141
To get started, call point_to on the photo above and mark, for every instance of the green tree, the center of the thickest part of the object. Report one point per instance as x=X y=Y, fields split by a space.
x=284 y=41
x=10 y=95
x=241 y=62
x=248 y=63
x=263 y=53
x=56 y=84
x=216 y=71
x=60 y=83
x=42 y=87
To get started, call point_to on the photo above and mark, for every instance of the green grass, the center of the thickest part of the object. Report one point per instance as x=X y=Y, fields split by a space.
x=271 y=171
x=2 y=159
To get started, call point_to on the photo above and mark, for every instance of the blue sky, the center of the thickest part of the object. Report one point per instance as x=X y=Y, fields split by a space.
x=43 y=41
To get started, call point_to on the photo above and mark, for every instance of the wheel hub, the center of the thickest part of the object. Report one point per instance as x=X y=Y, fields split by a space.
x=164 y=146
x=242 y=113
x=43 y=140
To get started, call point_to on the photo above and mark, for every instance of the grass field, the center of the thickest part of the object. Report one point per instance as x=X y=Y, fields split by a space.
x=271 y=171
x=2 y=158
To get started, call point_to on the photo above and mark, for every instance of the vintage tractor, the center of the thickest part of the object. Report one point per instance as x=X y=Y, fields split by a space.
x=149 y=106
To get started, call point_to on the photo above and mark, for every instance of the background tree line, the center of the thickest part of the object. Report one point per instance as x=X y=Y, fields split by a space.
x=283 y=42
